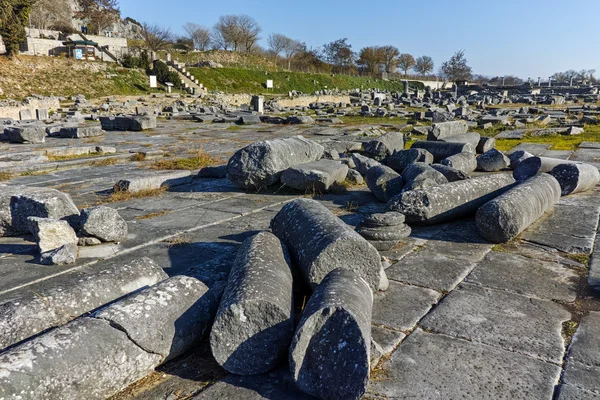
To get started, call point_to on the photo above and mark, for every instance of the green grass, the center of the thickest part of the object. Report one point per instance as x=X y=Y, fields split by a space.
x=557 y=141
x=240 y=80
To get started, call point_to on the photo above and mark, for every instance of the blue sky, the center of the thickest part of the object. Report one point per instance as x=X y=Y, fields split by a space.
x=527 y=38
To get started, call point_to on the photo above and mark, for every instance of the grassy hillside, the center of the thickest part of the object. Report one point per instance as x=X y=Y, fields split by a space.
x=239 y=80
x=46 y=76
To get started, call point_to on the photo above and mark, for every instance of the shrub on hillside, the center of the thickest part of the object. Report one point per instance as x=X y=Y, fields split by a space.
x=163 y=74
x=130 y=61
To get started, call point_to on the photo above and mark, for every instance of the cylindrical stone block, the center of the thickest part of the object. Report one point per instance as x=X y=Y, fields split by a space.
x=574 y=178
x=254 y=324
x=465 y=162
x=330 y=352
x=384 y=182
x=441 y=150
x=450 y=201
x=469 y=137
x=504 y=217
x=320 y=242
x=517 y=157
x=485 y=144
x=421 y=171
x=536 y=165
x=451 y=174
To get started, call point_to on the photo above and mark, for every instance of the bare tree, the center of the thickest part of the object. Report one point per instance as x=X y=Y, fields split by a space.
x=99 y=14
x=46 y=14
x=198 y=34
x=292 y=48
x=389 y=58
x=277 y=43
x=156 y=37
x=406 y=62
x=249 y=31
x=424 y=65
x=226 y=33
x=456 y=68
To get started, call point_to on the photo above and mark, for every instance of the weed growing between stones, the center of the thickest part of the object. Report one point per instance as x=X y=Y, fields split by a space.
x=5 y=176
x=198 y=160
x=103 y=163
x=124 y=196
x=138 y=157
x=152 y=215
x=580 y=258
x=178 y=241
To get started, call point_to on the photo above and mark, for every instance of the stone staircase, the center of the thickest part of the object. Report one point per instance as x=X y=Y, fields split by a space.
x=190 y=83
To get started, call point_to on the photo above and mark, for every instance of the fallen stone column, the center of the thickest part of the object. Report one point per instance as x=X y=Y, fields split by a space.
x=85 y=359
x=330 y=353
x=384 y=146
x=403 y=158
x=504 y=217
x=155 y=181
x=575 y=178
x=320 y=242
x=472 y=138
x=262 y=163
x=450 y=201
x=536 y=165
x=465 y=162
x=517 y=157
x=421 y=175
x=254 y=325
x=384 y=182
x=451 y=174
x=441 y=150
x=443 y=130
x=167 y=318
x=318 y=175
x=485 y=144
x=36 y=309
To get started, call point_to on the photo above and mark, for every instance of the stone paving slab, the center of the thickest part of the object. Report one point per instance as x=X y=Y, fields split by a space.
x=526 y=276
x=570 y=226
x=428 y=268
x=432 y=366
x=497 y=318
x=402 y=306
x=568 y=392
x=561 y=154
x=534 y=148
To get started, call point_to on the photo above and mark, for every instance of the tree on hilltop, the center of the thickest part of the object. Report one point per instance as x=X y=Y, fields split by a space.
x=339 y=54
x=199 y=35
x=390 y=56
x=456 y=69
x=405 y=62
x=156 y=37
x=236 y=32
x=424 y=65
x=100 y=14
x=14 y=16
x=369 y=58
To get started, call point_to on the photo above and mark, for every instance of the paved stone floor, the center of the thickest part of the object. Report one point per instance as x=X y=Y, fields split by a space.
x=462 y=319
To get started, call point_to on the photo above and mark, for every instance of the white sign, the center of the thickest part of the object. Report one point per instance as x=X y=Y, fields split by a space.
x=79 y=54
x=269 y=84
x=153 y=81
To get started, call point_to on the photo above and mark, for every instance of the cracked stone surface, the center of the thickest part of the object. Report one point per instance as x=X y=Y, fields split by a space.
x=462 y=318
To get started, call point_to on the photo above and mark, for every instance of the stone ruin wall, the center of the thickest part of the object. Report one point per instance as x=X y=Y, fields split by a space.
x=12 y=111
x=305 y=101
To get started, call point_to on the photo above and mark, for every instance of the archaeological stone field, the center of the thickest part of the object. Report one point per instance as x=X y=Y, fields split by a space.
x=344 y=244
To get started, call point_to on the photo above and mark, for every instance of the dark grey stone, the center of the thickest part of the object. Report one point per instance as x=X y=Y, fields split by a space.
x=28 y=312
x=583 y=360
x=82 y=131
x=18 y=203
x=504 y=217
x=354 y=177
x=330 y=352
x=419 y=172
x=364 y=163
x=574 y=178
x=450 y=201
x=384 y=182
x=254 y=324
x=26 y=134
x=180 y=308
x=63 y=255
x=319 y=242
x=431 y=366
x=154 y=181
x=318 y=175
x=103 y=223
x=262 y=163
x=517 y=156
x=384 y=146
x=470 y=137
x=485 y=144
x=451 y=174
x=536 y=165
x=465 y=162
x=499 y=318
x=441 y=150
x=447 y=129
x=403 y=158
x=85 y=359
x=492 y=161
